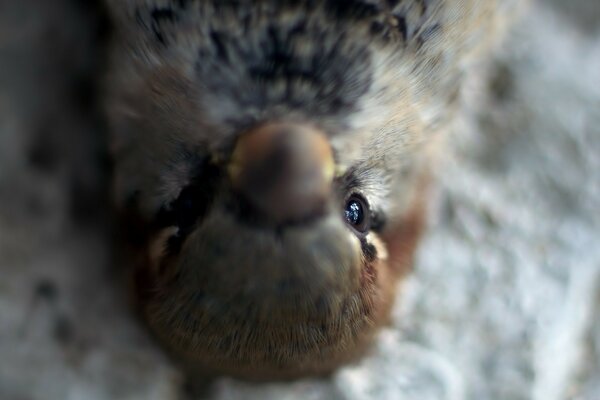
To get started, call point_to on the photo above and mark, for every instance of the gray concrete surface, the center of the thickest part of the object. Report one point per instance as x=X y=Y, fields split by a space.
x=504 y=301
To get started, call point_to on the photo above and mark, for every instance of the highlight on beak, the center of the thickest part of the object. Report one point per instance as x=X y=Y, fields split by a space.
x=284 y=170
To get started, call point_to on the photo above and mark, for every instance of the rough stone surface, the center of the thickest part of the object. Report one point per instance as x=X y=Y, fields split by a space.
x=505 y=296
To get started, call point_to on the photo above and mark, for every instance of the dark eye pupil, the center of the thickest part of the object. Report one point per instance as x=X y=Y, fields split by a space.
x=357 y=214
x=186 y=211
x=354 y=212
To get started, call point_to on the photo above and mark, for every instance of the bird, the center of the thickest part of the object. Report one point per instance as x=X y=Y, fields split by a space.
x=272 y=160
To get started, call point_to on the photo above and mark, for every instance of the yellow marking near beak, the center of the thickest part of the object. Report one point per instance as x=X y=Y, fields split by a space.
x=339 y=171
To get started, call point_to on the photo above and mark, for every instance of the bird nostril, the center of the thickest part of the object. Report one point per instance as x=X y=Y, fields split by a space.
x=284 y=170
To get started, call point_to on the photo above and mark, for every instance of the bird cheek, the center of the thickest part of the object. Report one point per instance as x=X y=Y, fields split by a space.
x=157 y=245
x=157 y=249
x=403 y=237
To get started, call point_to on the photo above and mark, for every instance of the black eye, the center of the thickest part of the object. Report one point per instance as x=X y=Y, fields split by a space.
x=357 y=213
x=187 y=208
x=194 y=200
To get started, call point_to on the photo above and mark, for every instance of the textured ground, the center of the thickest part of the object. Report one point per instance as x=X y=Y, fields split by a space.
x=505 y=298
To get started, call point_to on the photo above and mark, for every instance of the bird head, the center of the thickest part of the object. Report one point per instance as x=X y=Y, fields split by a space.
x=271 y=168
x=268 y=257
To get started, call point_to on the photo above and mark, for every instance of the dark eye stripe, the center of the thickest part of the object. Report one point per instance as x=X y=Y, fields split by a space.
x=190 y=207
x=369 y=251
x=378 y=220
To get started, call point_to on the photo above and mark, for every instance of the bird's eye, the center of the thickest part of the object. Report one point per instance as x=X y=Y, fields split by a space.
x=357 y=213
x=186 y=209
x=182 y=213
x=193 y=202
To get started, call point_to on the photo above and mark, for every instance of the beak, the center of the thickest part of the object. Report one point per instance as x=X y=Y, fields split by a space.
x=284 y=170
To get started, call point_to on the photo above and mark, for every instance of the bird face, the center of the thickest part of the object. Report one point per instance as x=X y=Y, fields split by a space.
x=269 y=162
x=267 y=258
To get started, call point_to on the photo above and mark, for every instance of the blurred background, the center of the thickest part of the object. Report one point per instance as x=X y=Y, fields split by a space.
x=504 y=302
